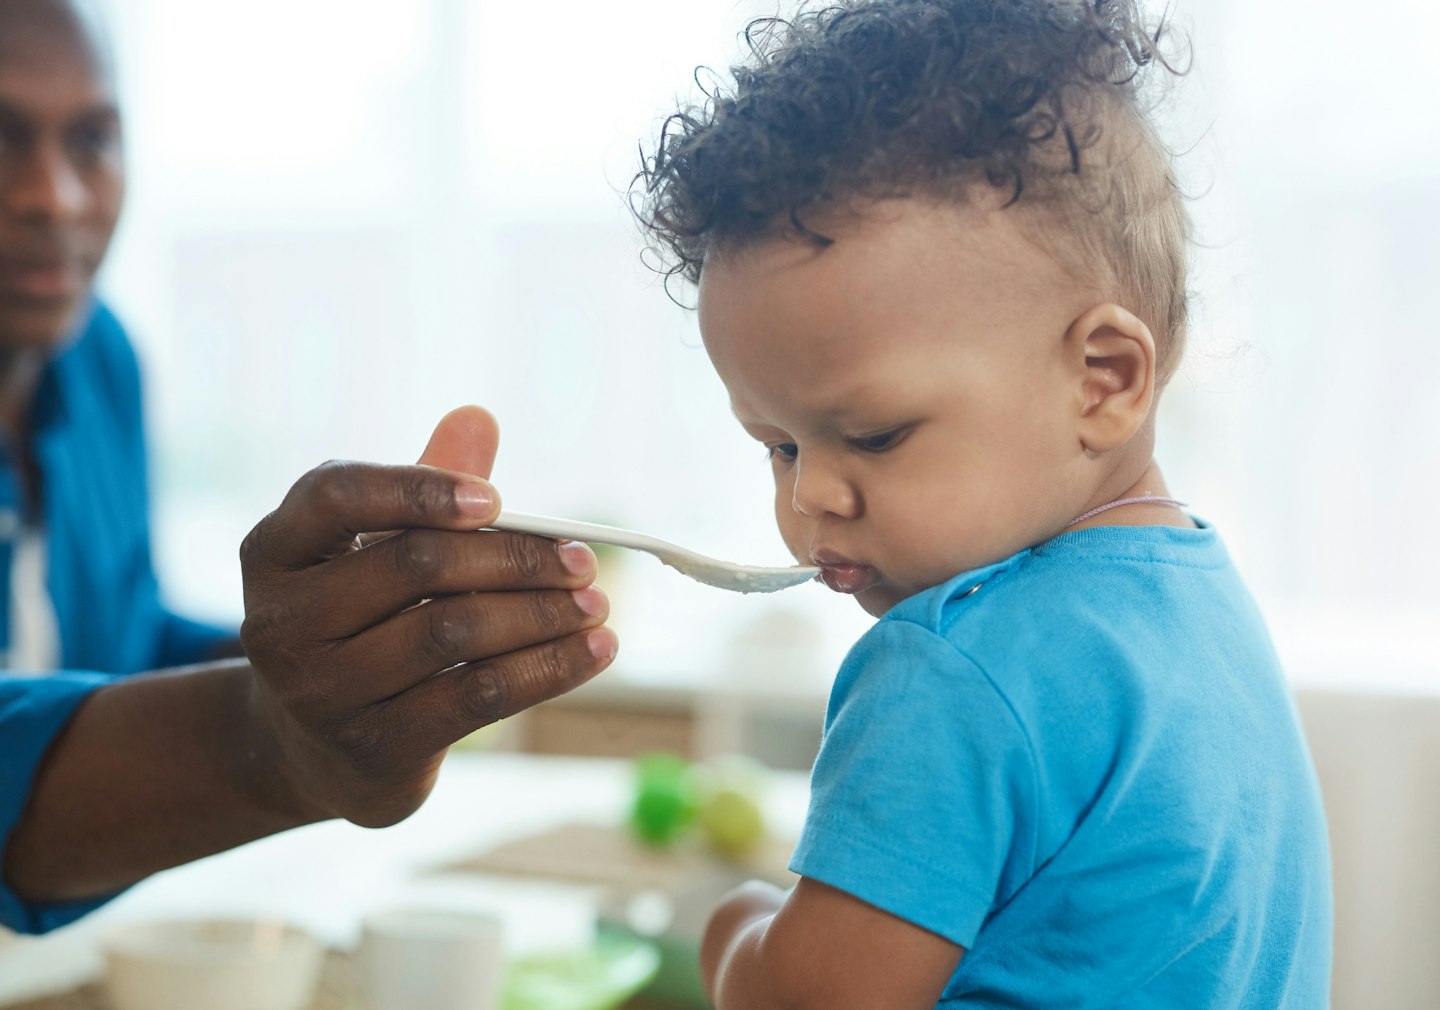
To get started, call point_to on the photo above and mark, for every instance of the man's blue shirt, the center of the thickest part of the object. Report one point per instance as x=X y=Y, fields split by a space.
x=1087 y=772
x=88 y=444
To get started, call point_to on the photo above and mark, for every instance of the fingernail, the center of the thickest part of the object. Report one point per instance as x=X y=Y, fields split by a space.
x=475 y=499
x=577 y=558
x=602 y=642
x=590 y=600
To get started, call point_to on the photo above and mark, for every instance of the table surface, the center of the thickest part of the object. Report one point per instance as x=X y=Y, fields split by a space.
x=325 y=877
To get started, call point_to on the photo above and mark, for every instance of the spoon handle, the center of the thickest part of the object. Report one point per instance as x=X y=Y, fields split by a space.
x=574 y=529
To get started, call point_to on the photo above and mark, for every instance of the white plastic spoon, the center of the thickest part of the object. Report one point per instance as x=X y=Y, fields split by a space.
x=712 y=572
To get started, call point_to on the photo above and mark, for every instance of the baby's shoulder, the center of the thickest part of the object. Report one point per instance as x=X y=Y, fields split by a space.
x=1044 y=622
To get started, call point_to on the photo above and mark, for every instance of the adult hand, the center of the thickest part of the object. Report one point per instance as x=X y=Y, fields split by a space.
x=368 y=658
x=372 y=655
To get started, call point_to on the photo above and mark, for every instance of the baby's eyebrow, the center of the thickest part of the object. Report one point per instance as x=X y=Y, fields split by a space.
x=758 y=430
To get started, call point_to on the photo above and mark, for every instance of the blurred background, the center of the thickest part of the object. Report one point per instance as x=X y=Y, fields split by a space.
x=348 y=217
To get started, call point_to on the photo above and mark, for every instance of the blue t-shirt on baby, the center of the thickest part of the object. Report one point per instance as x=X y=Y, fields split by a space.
x=1088 y=772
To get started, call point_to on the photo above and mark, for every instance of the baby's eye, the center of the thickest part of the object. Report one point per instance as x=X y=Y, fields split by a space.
x=786 y=451
x=878 y=443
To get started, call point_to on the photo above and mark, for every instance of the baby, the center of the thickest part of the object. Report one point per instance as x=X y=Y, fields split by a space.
x=941 y=261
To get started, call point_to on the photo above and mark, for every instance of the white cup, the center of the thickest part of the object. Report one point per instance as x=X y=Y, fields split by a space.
x=216 y=964
x=437 y=959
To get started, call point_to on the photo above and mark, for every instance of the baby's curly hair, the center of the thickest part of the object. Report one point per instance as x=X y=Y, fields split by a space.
x=1041 y=101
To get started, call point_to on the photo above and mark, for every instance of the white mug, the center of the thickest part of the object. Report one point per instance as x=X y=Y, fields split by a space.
x=219 y=964
x=437 y=959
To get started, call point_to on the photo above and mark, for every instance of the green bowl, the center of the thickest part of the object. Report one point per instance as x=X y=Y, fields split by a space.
x=599 y=977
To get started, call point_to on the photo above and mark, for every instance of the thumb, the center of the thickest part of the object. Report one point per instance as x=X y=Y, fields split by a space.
x=466 y=440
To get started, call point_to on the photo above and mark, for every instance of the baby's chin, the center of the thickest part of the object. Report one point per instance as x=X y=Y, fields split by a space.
x=881 y=597
x=877 y=600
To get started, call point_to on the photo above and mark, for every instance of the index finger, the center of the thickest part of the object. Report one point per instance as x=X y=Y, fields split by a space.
x=337 y=501
x=387 y=578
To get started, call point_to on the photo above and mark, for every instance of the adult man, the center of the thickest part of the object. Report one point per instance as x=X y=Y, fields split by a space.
x=76 y=584
x=367 y=656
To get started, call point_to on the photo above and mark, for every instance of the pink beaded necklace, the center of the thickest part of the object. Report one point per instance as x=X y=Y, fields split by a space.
x=1142 y=500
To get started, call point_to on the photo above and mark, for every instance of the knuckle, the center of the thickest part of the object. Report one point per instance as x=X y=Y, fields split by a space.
x=428 y=494
x=418 y=556
x=485 y=694
x=253 y=638
x=265 y=626
x=253 y=547
x=329 y=489
x=552 y=671
x=361 y=742
x=525 y=556
x=546 y=615
x=445 y=634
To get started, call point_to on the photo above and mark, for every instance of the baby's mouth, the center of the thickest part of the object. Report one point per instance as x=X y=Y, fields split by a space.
x=843 y=575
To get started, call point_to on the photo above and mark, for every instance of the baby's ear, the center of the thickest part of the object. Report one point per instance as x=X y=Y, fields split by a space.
x=1114 y=353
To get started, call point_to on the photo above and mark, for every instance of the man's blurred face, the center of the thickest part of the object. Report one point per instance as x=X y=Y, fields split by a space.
x=61 y=176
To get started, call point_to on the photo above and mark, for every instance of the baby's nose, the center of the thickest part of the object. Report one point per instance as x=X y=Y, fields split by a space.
x=822 y=490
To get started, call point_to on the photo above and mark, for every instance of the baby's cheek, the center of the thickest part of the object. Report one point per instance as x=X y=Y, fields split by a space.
x=788 y=521
x=935 y=553
x=796 y=542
